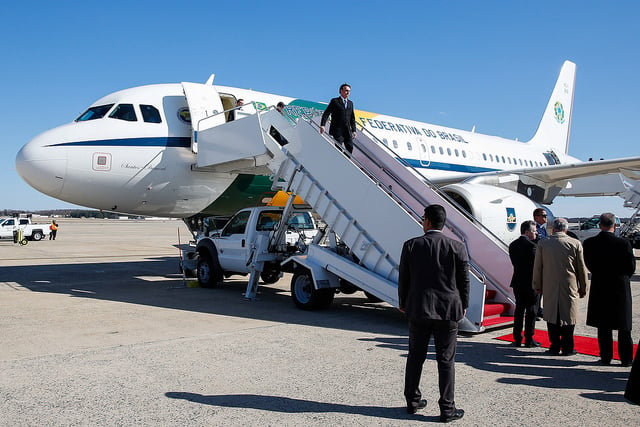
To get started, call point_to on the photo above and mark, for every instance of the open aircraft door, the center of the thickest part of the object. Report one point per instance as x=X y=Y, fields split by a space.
x=205 y=108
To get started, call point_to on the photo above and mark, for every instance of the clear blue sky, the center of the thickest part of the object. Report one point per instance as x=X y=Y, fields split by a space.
x=456 y=63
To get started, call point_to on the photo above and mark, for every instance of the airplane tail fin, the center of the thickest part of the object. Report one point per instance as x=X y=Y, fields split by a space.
x=554 y=128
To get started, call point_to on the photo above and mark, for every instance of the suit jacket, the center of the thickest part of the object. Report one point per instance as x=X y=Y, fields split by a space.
x=343 y=120
x=522 y=252
x=611 y=262
x=433 y=282
x=560 y=273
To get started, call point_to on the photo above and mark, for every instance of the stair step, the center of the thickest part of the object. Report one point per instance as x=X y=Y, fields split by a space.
x=497 y=321
x=493 y=310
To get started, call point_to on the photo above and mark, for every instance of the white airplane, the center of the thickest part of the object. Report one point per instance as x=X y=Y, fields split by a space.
x=134 y=151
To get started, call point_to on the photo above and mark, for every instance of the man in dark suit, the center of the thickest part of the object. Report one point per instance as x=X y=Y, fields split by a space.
x=522 y=252
x=611 y=262
x=343 y=120
x=433 y=291
x=232 y=113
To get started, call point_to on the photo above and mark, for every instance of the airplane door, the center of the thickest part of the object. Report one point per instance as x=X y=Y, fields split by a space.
x=423 y=150
x=233 y=245
x=205 y=107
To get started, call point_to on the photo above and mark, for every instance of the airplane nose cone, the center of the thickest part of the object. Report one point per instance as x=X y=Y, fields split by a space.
x=42 y=166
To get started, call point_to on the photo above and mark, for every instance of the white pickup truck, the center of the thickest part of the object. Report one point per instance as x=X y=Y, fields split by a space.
x=229 y=251
x=30 y=231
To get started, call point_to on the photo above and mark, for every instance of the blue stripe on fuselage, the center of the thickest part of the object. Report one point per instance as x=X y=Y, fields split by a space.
x=164 y=141
x=185 y=142
x=448 y=167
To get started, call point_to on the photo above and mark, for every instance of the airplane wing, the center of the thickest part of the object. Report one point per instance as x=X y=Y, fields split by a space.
x=593 y=178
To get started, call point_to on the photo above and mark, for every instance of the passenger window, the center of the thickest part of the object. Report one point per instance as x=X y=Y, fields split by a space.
x=237 y=224
x=124 y=112
x=449 y=151
x=484 y=156
x=433 y=149
x=150 y=114
x=441 y=150
x=456 y=152
x=385 y=142
x=424 y=150
x=94 y=113
x=409 y=147
x=395 y=144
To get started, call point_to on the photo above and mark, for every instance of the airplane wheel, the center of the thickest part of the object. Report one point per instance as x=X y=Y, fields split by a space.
x=209 y=271
x=304 y=294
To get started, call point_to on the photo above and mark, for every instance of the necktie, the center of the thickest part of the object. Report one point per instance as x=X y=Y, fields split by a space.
x=345 y=104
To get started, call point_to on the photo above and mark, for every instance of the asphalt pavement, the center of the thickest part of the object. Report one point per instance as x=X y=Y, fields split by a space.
x=99 y=328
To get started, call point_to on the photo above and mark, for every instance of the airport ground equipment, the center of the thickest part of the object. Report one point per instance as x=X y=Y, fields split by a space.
x=254 y=241
x=369 y=200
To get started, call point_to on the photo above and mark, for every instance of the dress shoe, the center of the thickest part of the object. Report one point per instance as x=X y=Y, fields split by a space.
x=532 y=344
x=516 y=344
x=552 y=353
x=569 y=353
x=455 y=415
x=605 y=362
x=413 y=409
x=626 y=364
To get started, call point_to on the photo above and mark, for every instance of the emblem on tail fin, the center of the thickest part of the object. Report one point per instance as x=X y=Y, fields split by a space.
x=558 y=111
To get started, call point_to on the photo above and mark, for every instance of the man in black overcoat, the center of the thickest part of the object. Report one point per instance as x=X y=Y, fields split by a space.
x=433 y=292
x=522 y=253
x=611 y=262
x=343 y=119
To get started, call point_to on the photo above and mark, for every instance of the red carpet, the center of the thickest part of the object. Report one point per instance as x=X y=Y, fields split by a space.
x=583 y=345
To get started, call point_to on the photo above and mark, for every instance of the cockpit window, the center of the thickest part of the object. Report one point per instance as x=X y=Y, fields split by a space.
x=94 y=113
x=124 y=112
x=150 y=114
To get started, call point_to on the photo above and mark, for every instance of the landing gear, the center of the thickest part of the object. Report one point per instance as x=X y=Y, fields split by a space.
x=305 y=295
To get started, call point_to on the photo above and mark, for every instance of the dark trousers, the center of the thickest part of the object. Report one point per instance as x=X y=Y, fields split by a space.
x=445 y=338
x=346 y=141
x=561 y=338
x=625 y=345
x=525 y=310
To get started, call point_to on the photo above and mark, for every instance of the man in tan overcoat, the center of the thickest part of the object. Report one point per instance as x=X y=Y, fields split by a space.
x=560 y=275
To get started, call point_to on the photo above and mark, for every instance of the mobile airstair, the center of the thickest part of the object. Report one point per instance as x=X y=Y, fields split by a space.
x=372 y=201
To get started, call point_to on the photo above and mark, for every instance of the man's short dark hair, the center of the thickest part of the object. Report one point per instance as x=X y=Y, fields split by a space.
x=526 y=226
x=539 y=211
x=436 y=216
x=607 y=220
x=345 y=84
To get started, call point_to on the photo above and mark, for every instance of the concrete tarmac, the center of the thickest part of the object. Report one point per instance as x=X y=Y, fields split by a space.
x=99 y=328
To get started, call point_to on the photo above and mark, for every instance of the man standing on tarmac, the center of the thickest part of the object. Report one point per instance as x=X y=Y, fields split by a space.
x=612 y=263
x=433 y=290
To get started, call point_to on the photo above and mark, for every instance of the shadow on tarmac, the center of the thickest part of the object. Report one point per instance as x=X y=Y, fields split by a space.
x=156 y=282
x=290 y=405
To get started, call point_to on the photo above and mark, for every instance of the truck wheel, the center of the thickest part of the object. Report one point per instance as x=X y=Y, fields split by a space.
x=270 y=276
x=209 y=271
x=306 y=296
x=37 y=235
